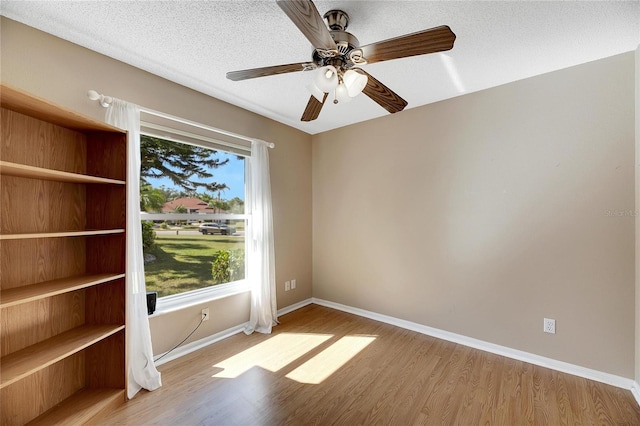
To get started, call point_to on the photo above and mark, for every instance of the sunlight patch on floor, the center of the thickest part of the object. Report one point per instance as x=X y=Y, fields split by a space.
x=272 y=354
x=327 y=362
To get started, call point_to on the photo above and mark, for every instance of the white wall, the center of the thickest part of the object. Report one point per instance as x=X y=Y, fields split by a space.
x=483 y=214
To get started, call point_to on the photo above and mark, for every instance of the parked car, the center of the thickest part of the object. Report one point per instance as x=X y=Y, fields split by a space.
x=216 y=228
x=210 y=228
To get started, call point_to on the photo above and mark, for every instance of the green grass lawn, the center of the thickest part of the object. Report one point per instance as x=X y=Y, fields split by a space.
x=183 y=262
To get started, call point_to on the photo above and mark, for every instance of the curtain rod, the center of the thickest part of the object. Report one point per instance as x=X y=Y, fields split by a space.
x=105 y=101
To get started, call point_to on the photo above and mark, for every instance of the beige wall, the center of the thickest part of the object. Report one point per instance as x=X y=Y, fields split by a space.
x=637 y=117
x=63 y=72
x=483 y=214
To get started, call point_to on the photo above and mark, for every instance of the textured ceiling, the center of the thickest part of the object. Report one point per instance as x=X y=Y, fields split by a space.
x=195 y=43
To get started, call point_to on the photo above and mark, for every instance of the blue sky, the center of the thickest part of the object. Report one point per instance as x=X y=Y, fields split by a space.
x=232 y=174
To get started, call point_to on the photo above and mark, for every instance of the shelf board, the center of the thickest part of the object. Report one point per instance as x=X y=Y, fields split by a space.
x=18 y=295
x=82 y=407
x=87 y=233
x=31 y=359
x=21 y=170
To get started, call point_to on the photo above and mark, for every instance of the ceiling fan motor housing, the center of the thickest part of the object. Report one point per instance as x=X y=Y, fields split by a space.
x=337 y=20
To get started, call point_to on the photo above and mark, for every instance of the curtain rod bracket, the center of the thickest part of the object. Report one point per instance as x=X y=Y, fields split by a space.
x=104 y=101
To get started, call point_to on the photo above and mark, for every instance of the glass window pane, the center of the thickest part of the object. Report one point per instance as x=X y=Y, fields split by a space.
x=198 y=255
x=188 y=254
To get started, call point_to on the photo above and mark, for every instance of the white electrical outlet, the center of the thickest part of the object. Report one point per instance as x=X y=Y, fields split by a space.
x=550 y=326
x=293 y=284
x=205 y=314
x=287 y=285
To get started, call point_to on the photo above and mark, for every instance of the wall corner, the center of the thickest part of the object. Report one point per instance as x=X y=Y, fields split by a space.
x=637 y=215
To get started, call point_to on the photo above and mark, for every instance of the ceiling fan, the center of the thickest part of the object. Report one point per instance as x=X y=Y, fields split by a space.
x=337 y=57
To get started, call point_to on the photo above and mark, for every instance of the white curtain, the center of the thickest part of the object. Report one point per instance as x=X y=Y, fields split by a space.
x=141 y=371
x=261 y=256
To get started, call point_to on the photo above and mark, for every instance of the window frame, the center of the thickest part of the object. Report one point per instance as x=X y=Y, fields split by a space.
x=175 y=302
x=205 y=137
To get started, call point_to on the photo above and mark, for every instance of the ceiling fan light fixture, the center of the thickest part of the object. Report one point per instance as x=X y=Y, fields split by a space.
x=327 y=78
x=315 y=91
x=354 y=82
x=342 y=93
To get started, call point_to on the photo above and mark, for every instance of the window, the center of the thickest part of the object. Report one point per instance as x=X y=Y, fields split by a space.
x=192 y=194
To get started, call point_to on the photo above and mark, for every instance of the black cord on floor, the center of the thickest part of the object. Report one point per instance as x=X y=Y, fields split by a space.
x=184 y=340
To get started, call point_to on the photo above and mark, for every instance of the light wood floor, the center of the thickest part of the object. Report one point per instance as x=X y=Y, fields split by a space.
x=397 y=377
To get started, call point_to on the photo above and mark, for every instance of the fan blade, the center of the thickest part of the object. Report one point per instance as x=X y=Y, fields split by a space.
x=382 y=95
x=304 y=14
x=312 y=111
x=436 y=39
x=266 y=71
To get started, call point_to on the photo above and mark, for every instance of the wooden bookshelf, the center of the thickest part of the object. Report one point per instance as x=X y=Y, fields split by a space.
x=63 y=257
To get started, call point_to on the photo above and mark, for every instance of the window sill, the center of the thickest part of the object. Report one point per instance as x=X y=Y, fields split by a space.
x=173 y=303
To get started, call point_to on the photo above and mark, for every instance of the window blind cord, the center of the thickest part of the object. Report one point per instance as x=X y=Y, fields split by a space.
x=184 y=340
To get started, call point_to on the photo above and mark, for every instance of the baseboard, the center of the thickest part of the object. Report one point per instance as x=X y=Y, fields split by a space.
x=635 y=391
x=201 y=343
x=209 y=340
x=295 y=306
x=576 y=370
